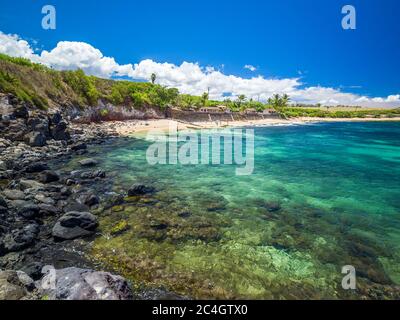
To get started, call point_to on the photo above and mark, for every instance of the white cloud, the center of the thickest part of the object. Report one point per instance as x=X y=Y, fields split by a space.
x=250 y=67
x=72 y=55
x=188 y=77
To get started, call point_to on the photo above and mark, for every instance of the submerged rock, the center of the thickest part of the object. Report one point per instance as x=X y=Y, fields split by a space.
x=91 y=200
x=140 y=190
x=89 y=162
x=49 y=176
x=74 y=225
x=83 y=284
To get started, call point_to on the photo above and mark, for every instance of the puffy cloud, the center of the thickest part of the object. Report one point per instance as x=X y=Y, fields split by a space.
x=67 y=55
x=250 y=67
x=188 y=77
x=72 y=55
x=13 y=46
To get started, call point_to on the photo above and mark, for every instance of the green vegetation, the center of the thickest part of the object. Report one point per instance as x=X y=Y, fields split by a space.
x=315 y=112
x=44 y=87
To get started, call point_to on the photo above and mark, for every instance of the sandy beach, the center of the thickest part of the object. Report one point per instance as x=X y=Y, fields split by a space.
x=131 y=127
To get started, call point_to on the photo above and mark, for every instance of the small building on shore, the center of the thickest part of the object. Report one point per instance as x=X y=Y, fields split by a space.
x=250 y=111
x=268 y=111
x=217 y=109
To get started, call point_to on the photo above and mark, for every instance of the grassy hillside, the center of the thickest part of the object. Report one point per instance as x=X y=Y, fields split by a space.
x=46 y=88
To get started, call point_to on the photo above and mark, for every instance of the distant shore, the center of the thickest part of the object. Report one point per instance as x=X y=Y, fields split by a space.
x=131 y=127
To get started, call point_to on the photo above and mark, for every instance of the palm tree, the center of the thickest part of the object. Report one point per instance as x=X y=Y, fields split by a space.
x=204 y=98
x=285 y=100
x=153 y=78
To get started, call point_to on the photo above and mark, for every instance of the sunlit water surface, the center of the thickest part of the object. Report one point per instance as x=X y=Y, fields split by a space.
x=322 y=196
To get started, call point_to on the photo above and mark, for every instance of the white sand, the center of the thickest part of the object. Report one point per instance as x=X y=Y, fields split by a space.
x=125 y=128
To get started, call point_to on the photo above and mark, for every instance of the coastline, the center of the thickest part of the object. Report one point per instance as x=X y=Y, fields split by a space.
x=134 y=127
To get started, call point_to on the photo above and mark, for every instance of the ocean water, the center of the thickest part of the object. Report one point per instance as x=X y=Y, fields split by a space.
x=322 y=196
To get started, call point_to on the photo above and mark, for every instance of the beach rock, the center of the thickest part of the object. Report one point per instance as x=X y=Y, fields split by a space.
x=34 y=270
x=3 y=202
x=55 y=118
x=49 y=210
x=75 y=206
x=35 y=139
x=91 y=200
x=31 y=184
x=139 y=190
x=3 y=211
x=22 y=112
x=79 y=146
x=43 y=199
x=15 y=285
x=83 y=284
x=49 y=176
x=74 y=225
x=39 y=124
x=113 y=200
x=59 y=131
x=14 y=194
x=19 y=239
x=89 y=162
x=93 y=174
x=29 y=211
x=36 y=167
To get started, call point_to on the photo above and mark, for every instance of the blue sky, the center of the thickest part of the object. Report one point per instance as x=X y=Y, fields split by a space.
x=283 y=39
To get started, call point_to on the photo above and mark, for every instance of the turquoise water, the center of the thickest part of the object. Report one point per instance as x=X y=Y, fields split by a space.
x=322 y=196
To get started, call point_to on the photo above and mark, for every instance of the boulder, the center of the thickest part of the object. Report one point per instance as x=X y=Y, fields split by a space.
x=91 y=200
x=14 y=194
x=22 y=112
x=59 y=131
x=74 y=225
x=19 y=239
x=39 y=124
x=34 y=270
x=15 y=285
x=3 y=202
x=3 y=211
x=49 y=210
x=35 y=139
x=83 y=284
x=76 y=206
x=49 y=176
x=89 y=162
x=36 y=167
x=29 y=211
x=139 y=190
x=55 y=118
x=31 y=184
x=89 y=175
x=79 y=146
x=42 y=198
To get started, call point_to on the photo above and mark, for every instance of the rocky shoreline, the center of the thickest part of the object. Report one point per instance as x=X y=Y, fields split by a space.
x=48 y=217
